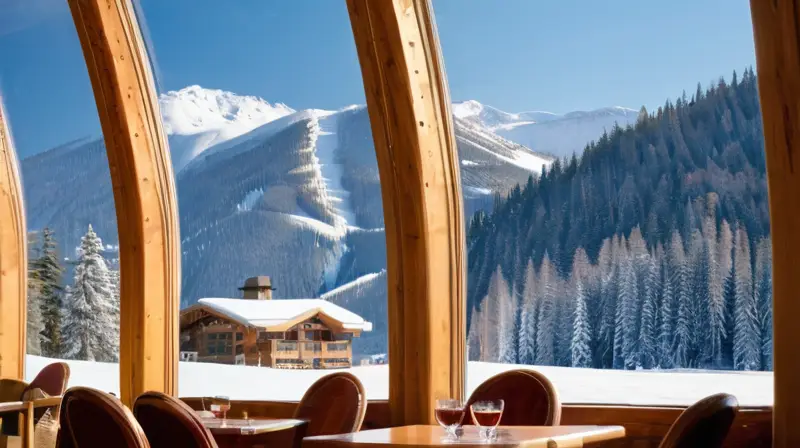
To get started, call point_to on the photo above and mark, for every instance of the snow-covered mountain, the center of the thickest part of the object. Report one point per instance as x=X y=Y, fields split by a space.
x=196 y=119
x=557 y=134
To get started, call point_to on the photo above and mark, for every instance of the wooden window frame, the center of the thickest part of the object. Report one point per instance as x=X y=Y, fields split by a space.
x=13 y=260
x=409 y=110
x=144 y=194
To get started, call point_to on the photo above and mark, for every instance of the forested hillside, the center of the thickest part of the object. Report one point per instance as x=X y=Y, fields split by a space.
x=650 y=250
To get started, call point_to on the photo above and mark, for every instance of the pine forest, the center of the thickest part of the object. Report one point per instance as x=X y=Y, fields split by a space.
x=651 y=250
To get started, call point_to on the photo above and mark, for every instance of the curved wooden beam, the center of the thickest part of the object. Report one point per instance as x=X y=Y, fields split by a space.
x=409 y=109
x=776 y=27
x=13 y=260
x=144 y=194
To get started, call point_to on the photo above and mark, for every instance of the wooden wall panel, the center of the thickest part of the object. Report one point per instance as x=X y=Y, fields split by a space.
x=144 y=194
x=13 y=260
x=408 y=105
x=776 y=31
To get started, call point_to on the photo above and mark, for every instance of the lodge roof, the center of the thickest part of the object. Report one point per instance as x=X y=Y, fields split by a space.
x=277 y=314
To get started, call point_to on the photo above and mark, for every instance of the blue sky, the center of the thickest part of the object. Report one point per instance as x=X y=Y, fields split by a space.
x=555 y=55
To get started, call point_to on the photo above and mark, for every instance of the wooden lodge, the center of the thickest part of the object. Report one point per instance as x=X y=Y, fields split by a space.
x=258 y=331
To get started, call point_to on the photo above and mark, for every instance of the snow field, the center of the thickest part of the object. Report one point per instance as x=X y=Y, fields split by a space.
x=585 y=386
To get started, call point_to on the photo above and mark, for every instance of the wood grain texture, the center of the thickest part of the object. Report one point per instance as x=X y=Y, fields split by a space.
x=144 y=194
x=408 y=105
x=13 y=260
x=776 y=29
x=425 y=436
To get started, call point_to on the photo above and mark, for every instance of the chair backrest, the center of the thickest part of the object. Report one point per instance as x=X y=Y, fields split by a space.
x=52 y=380
x=530 y=398
x=91 y=418
x=705 y=423
x=335 y=404
x=169 y=422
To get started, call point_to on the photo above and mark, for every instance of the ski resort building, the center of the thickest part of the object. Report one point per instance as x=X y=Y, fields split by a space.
x=258 y=331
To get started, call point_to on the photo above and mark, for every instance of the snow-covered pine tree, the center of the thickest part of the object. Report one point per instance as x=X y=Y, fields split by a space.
x=697 y=262
x=580 y=346
x=680 y=284
x=716 y=289
x=746 y=338
x=723 y=270
x=526 y=340
x=628 y=323
x=608 y=299
x=620 y=256
x=89 y=332
x=507 y=330
x=545 y=351
x=666 y=329
x=473 y=336
x=648 y=332
x=48 y=270
x=34 y=313
x=763 y=292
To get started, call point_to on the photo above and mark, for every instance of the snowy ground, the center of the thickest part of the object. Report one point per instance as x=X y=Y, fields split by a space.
x=590 y=386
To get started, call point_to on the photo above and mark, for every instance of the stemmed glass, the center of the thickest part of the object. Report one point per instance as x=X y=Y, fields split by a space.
x=449 y=413
x=221 y=405
x=486 y=414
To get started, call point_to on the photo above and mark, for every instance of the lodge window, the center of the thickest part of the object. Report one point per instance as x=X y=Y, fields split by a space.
x=239 y=349
x=219 y=344
x=285 y=346
x=343 y=336
x=313 y=346
x=239 y=336
x=337 y=347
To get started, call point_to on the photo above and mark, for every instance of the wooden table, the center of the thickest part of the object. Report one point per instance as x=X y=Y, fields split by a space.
x=424 y=436
x=275 y=433
x=25 y=410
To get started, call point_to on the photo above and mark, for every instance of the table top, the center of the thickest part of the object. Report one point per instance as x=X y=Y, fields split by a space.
x=423 y=436
x=237 y=426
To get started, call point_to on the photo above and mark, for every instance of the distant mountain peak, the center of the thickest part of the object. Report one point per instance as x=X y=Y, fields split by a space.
x=197 y=118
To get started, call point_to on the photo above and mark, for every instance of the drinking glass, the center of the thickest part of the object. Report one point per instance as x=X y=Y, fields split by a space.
x=449 y=413
x=220 y=406
x=486 y=414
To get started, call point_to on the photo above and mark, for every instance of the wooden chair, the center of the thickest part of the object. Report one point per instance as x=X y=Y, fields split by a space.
x=335 y=404
x=530 y=398
x=91 y=418
x=705 y=423
x=169 y=422
x=40 y=403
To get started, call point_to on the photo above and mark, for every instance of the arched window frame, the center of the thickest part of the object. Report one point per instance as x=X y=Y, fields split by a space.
x=399 y=54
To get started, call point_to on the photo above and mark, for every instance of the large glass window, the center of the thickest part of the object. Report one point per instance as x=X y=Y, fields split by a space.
x=73 y=272
x=278 y=193
x=614 y=183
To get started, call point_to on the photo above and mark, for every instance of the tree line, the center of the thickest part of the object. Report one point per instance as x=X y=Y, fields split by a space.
x=81 y=320
x=651 y=250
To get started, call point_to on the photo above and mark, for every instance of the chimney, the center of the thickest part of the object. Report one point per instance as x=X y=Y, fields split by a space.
x=257 y=288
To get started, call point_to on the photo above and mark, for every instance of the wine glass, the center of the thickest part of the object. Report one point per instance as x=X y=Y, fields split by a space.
x=449 y=413
x=222 y=405
x=486 y=414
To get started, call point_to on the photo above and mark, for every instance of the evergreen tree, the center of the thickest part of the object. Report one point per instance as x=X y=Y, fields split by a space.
x=48 y=271
x=763 y=292
x=545 y=350
x=581 y=332
x=628 y=324
x=680 y=285
x=666 y=329
x=89 y=331
x=746 y=338
x=34 y=314
x=647 y=328
x=527 y=321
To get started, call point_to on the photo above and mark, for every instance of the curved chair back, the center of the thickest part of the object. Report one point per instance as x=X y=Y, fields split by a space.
x=91 y=418
x=530 y=398
x=52 y=379
x=169 y=422
x=335 y=404
x=705 y=423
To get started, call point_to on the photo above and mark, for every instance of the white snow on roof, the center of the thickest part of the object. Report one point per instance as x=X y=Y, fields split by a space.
x=265 y=313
